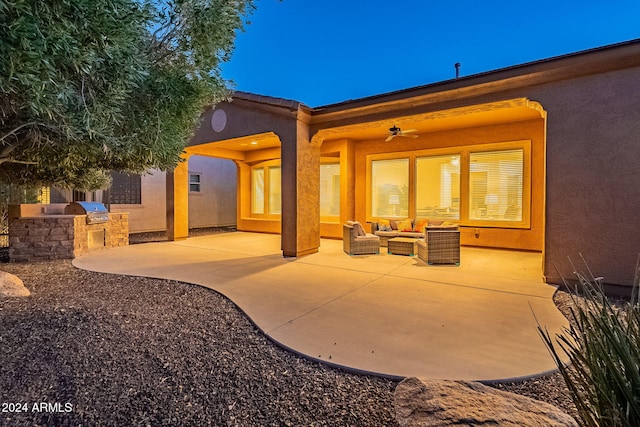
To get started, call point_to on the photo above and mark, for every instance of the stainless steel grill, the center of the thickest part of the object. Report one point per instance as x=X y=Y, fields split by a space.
x=96 y=212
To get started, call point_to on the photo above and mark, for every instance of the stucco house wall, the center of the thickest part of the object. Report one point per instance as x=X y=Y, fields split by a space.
x=150 y=214
x=215 y=204
x=593 y=174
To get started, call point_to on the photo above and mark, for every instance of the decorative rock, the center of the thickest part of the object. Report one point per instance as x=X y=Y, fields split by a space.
x=12 y=286
x=443 y=403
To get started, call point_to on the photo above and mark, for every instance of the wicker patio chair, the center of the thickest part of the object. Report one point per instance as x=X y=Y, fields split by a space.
x=356 y=242
x=441 y=245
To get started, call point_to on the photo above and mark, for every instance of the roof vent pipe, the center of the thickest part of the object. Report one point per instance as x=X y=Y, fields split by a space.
x=457 y=65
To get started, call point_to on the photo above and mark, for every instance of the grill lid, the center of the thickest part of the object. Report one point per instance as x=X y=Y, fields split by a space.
x=85 y=208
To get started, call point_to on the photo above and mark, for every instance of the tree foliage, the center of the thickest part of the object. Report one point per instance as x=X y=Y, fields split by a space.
x=90 y=86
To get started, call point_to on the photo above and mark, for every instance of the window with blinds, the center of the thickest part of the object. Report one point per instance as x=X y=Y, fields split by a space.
x=438 y=187
x=495 y=185
x=486 y=185
x=330 y=190
x=390 y=188
x=257 y=191
x=275 y=198
x=44 y=195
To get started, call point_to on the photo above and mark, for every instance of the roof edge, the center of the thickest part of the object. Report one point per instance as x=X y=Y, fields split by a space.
x=492 y=75
x=269 y=100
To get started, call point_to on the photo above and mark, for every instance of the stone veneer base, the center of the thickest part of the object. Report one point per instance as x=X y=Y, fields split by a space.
x=50 y=237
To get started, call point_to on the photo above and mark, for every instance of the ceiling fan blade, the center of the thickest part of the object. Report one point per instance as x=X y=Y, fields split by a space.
x=389 y=138
x=409 y=130
x=407 y=136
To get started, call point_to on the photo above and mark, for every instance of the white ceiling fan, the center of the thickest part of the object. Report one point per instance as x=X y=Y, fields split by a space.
x=396 y=131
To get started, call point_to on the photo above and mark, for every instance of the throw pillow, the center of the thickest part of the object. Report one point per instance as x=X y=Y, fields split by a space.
x=420 y=224
x=405 y=225
x=384 y=225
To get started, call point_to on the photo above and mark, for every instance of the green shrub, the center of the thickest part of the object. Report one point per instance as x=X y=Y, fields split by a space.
x=602 y=345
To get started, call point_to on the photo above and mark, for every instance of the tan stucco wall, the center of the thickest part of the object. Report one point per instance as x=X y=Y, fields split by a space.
x=593 y=171
x=308 y=193
x=215 y=205
x=150 y=214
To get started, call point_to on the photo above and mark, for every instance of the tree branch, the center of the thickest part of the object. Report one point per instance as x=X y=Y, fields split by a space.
x=14 y=131
x=20 y=162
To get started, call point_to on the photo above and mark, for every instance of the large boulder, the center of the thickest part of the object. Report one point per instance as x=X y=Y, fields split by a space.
x=421 y=403
x=12 y=286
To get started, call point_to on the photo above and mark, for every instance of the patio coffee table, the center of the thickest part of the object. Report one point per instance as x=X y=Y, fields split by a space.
x=402 y=246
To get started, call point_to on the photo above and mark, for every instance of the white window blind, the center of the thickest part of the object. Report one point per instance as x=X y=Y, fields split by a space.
x=495 y=185
x=275 y=198
x=438 y=187
x=257 y=191
x=330 y=189
x=390 y=188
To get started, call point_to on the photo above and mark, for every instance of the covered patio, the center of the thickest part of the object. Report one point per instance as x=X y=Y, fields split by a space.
x=385 y=314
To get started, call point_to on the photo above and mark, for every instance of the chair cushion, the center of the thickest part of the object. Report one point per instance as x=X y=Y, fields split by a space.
x=368 y=237
x=394 y=233
x=359 y=229
x=412 y=234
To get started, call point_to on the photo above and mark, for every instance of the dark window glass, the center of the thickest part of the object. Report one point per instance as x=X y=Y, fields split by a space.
x=125 y=189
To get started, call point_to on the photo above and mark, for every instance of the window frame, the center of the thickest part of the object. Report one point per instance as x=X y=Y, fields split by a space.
x=265 y=167
x=129 y=188
x=332 y=219
x=465 y=153
x=199 y=183
x=411 y=182
x=415 y=185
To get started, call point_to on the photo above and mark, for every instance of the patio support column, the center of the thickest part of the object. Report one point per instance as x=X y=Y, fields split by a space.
x=178 y=202
x=300 y=193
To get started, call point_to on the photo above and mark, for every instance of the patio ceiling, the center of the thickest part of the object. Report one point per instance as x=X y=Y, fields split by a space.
x=246 y=148
x=243 y=148
x=435 y=121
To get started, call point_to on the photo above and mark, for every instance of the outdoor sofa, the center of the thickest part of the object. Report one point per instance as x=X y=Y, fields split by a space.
x=411 y=228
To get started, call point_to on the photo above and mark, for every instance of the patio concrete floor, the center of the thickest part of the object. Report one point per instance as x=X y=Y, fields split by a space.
x=391 y=315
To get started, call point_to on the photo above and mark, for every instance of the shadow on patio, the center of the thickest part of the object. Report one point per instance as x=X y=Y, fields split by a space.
x=390 y=315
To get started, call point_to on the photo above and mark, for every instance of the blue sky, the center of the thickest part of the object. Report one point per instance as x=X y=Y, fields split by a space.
x=321 y=52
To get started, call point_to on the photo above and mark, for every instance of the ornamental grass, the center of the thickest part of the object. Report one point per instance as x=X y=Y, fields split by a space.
x=602 y=346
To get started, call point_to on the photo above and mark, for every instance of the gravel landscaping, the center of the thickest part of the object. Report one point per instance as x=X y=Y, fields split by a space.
x=109 y=350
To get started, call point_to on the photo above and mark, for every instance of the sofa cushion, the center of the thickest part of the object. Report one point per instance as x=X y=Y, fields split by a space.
x=411 y=234
x=394 y=233
x=394 y=223
x=420 y=224
x=406 y=225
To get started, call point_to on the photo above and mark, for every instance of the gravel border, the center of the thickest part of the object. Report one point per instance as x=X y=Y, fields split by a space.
x=135 y=351
x=126 y=350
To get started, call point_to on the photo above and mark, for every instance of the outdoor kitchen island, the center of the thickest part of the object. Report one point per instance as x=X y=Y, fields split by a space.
x=59 y=231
